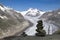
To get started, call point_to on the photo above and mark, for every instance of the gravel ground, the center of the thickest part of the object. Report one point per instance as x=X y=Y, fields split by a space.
x=51 y=37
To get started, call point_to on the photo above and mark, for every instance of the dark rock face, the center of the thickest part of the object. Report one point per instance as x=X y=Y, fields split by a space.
x=24 y=34
x=40 y=31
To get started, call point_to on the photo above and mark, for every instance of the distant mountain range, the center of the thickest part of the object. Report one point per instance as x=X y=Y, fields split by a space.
x=32 y=12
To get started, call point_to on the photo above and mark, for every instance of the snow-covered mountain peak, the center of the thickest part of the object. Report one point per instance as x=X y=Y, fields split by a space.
x=32 y=10
x=3 y=8
x=8 y=8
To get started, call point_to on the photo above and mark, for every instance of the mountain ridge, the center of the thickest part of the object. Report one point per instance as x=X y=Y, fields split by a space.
x=11 y=22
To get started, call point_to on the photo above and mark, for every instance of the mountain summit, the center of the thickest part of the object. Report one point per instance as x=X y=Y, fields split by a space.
x=2 y=7
x=33 y=12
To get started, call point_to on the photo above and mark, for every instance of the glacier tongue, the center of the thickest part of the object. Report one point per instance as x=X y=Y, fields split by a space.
x=32 y=30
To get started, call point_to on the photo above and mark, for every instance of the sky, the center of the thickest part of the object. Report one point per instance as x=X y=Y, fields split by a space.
x=22 y=5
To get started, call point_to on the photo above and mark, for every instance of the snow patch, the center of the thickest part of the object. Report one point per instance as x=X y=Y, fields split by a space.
x=8 y=8
x=23 y=13
x=58 y=12
x=3 y=17
x=2 y=8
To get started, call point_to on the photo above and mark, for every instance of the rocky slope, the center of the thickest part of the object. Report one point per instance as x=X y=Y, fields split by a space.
x=48 y=37
x=11 y=22
x=52 y=17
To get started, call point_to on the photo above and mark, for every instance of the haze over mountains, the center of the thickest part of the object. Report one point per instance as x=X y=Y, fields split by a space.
x=15 y=22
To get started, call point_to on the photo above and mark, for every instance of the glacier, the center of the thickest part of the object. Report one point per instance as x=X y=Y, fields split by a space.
x=48 y=27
